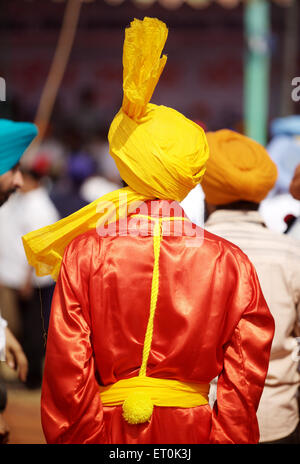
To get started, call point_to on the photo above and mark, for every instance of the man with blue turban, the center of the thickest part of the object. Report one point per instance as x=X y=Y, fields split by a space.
x=15 y=137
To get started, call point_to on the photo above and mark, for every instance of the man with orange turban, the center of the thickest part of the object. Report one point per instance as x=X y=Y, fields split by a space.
x=148 y=308
x=239 y=175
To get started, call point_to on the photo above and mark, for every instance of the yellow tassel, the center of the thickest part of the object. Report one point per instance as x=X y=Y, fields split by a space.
x=137 y=408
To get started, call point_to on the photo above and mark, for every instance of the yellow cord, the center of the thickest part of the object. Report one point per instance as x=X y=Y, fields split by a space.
x=138 y=405
x=154 y=295
x=157 y=237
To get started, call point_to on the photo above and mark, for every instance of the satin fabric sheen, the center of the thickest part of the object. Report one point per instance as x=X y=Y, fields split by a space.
x=211 y=319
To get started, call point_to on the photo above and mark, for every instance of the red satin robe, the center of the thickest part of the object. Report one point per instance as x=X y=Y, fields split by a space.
x=211 y=319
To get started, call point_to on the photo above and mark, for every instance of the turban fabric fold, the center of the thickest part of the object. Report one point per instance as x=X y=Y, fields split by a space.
x=158 y=151
x=15 y=137
x=238 y=169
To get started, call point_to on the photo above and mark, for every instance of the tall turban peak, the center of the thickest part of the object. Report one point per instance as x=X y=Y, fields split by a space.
x=15 y=137
x=238 y=169
x=142 y=63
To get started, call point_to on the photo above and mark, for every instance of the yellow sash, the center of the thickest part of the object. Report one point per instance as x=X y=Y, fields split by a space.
x=145 y=392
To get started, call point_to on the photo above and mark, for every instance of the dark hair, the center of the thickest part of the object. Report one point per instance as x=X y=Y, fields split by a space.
x=37 y=176
x=240 y=205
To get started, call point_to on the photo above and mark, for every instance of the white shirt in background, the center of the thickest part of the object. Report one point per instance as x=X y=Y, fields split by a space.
x=276 y=258
x=95 y=187
x=193 y=205
x=22 y=213
x=274 y=209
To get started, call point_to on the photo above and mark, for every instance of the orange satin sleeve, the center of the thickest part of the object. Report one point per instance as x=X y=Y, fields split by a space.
x=71 y=409
x=245 y=365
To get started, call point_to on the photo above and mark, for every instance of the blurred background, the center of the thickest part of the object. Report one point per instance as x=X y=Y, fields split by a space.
x=230 y=64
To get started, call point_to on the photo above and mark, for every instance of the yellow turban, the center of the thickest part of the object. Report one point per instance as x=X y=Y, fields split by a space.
x=238 y=169
x=159 y=152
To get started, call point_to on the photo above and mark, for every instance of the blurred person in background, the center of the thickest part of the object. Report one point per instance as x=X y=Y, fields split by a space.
x=98 y=148
x=134 y=337
x=106 y=177
x=295 y=184
x=12 y=353
x=65 y=193
x=284 y=149
x=95 y=186
x=15 y=139
x=239 y=174
x=87 y=117
x=29 y=208
x=293 y=228
x=85 y=175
